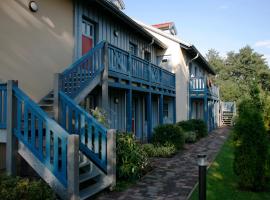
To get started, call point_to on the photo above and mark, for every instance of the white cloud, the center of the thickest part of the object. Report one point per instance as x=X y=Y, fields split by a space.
x=267 y=57
x=263 y=43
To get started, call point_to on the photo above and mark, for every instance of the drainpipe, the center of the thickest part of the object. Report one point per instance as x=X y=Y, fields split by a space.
x=150 y=44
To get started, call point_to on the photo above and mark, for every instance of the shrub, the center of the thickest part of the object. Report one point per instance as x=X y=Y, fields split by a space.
x=168 y=133
x=196 y=125
x=159 y=151
x=190 y=136
x=131 y=159
x=13 y=188
x=251 y=147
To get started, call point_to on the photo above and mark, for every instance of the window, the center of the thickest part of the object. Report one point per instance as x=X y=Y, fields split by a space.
x=165 y=110
x=133 y=48
x=147 y=56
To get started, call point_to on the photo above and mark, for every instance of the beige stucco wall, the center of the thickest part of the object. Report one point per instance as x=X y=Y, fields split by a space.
x=181 y=71
x=35 y=45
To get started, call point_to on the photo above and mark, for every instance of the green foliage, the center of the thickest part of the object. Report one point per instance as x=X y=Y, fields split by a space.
x=251 y=146
x=190 y=136
x=13 y=188
x=131 y=159
x=101 y=116
x=196 y=125
x=159 y=151
x=237 y=72
x=169 y=133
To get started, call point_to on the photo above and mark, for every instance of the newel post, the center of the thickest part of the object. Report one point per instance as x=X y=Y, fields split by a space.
x=11 y=145
x=73 y=167
x=111 y=157
x=56 y=89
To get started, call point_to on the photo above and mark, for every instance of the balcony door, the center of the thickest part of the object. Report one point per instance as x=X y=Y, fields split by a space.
x=88 y=36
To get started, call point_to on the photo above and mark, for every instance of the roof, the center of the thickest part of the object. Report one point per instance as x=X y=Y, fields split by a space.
x=110 y=7
x=190 y=48
x=167 y=26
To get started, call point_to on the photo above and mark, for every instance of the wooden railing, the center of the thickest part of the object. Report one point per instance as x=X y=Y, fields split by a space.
x=40 y=134
x=75 y=78
x=93 y=135
x=123 y=62
x=199 y=85
x=3 y=106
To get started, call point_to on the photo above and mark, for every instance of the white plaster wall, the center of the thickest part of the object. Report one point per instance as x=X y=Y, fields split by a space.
x=181 y=74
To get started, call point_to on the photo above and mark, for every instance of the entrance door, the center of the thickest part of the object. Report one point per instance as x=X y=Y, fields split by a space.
x=88 y=33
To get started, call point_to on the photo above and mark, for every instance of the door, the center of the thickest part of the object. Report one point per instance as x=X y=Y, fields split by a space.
x=137 y=117
x=88 y=34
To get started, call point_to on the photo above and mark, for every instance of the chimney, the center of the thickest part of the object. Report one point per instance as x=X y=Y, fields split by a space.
x=167 y=27
x=118 y=3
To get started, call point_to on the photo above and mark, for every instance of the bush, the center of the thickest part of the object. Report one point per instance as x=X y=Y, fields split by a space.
x=13 y=188
x=131 y=160
x=159 y=151
x=251 y=147
x=168 y=133
x=190 y=137
x=196 y=125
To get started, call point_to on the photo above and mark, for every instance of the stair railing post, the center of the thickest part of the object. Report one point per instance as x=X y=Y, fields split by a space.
x=105 y=74
x=56 y=89
x=73 y=167
x=111 y=157
x=11 y=145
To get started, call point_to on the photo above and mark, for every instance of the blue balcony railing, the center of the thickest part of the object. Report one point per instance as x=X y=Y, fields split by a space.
x=199 y=85
x=124 y=63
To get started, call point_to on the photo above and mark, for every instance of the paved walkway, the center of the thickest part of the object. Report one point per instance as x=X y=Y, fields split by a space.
x=173 y=178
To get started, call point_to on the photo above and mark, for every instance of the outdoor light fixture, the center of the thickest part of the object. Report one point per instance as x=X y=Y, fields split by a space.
x=202 y=163
x=116 y=33
x=33 y=6
x=116 y=100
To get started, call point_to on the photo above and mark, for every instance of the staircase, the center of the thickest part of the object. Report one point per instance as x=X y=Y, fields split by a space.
x=227 y=118
x=62 y=142
x=228 y=111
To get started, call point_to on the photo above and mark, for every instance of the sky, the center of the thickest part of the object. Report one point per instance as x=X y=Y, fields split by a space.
x=226 y=25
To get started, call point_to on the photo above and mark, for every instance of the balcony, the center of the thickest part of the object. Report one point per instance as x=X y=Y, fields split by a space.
x=126 y=67
x=198 y=87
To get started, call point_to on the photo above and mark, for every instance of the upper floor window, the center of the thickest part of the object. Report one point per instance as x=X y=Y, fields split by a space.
x=133 y=49
x=147 y=56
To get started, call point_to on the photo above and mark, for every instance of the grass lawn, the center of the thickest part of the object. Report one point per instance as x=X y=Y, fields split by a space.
x=222 y=182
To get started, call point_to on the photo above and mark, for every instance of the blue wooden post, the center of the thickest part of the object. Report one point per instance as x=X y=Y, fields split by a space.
x=205 y=110
x=129 y=110
x=149 y=116
x=174 y=110
x=161 y=103
x=190 y=108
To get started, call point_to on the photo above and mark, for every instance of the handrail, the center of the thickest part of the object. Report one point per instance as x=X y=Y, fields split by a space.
x=124 y=62
x=76 y=77
x=199 y=84
x=43 y=136
x=93 y=135
x=3 y=105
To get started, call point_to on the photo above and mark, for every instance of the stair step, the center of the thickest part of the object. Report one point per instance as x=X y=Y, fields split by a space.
x=93 y=189
x=89 y=175
x=84 y=164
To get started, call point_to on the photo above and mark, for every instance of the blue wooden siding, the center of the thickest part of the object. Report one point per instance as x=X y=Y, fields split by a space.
x=106 y=25
x=3 y=106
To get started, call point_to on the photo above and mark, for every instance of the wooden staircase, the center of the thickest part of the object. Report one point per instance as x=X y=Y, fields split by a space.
x=71 y=151
x=227 y=118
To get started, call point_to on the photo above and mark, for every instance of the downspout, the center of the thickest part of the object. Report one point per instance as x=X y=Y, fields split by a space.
x=150 y=44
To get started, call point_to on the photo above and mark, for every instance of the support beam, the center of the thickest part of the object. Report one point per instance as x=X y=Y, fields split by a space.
x=12 y=145
x=149 y=116
x=205 y=111
x=105 y=74
x=56 y=88
x=174 y=110
x=190 y=108
x=161 y=104
x=129 y=110
x=73 y=167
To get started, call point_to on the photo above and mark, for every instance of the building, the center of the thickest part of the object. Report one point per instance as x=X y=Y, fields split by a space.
x=196 y=96
x=69 y=57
